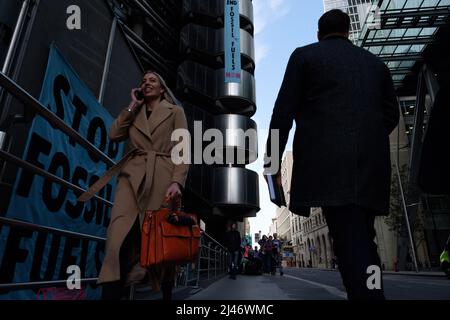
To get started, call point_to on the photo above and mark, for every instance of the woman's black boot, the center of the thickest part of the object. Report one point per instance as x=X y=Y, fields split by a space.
x=111 y=290
x=166 y=288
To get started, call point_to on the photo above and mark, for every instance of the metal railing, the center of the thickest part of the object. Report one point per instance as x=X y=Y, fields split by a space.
x=212 y=263
x=212 y=260
x=29 y=101
x=31 y=167
x=38 y=228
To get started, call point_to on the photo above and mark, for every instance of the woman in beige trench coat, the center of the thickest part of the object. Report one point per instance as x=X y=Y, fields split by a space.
x=146 y=176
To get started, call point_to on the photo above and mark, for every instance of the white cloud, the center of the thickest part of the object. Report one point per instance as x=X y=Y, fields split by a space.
x=275 y=4
x=266 y=12
x=261 y=50
x=259 y=17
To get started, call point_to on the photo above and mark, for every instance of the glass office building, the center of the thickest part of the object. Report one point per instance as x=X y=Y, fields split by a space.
x=356 y=9
x=412 y=37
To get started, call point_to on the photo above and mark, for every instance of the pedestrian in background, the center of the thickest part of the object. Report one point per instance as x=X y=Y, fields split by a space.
x=233 y=242
x=277 y=252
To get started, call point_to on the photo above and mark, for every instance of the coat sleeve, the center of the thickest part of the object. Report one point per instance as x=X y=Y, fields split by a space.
x=391 y=113
x=286 y=105
x=119 y=129
x=181 y=170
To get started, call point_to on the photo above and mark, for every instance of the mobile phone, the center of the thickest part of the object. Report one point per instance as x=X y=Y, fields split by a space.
x=139 y=95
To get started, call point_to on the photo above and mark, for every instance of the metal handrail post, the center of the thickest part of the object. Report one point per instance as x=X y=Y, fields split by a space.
x=405 y=209
x=224 y=261
x=209 y=258
x=112 y=35
x=220 y=260
x=215 y=260
x=199 y=262
x=15 y=37
x=189 y=269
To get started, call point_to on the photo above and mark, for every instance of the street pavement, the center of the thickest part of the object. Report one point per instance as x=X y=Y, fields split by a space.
x=316 y=284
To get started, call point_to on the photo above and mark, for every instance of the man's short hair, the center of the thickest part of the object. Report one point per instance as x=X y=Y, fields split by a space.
x=334 y=21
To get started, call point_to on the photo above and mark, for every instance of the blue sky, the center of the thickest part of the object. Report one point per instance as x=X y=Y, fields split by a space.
x=280 y=27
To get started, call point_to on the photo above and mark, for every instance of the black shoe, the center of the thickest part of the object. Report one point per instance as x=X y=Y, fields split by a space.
x=111 y=290
x=166 y=288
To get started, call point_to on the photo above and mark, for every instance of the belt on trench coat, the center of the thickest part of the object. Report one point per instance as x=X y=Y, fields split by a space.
x=114 y=170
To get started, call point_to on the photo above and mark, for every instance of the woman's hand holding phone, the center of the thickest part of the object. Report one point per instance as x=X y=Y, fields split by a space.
x=137 y=99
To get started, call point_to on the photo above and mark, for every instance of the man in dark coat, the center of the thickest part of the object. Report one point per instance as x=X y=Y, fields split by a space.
x=344 y=104
x=233 y=243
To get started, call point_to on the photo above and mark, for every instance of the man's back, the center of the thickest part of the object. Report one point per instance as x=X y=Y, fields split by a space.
x=344 y=104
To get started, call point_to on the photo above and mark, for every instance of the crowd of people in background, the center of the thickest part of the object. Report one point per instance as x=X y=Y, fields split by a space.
x=270 y=252
x=247 y=260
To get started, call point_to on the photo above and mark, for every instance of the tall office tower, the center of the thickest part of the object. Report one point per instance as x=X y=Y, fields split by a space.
x=356 y=9
x=227 y=189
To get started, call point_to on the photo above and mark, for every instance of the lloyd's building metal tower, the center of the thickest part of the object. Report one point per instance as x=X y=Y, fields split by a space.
x=216 y=81
x=60 y=88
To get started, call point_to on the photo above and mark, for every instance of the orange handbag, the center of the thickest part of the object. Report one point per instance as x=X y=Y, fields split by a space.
x=163 y=242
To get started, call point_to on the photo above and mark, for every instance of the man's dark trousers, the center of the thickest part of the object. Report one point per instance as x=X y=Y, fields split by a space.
x=353 y=233
x=234 y=263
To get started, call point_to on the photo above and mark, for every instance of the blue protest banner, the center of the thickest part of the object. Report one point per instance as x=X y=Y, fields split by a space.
x=232 y=40
x=36 y=256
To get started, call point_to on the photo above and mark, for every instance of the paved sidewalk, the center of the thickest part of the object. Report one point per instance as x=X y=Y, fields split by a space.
x=298 y=284
x=405 y=273
x=420 y=273
x=243 y=288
